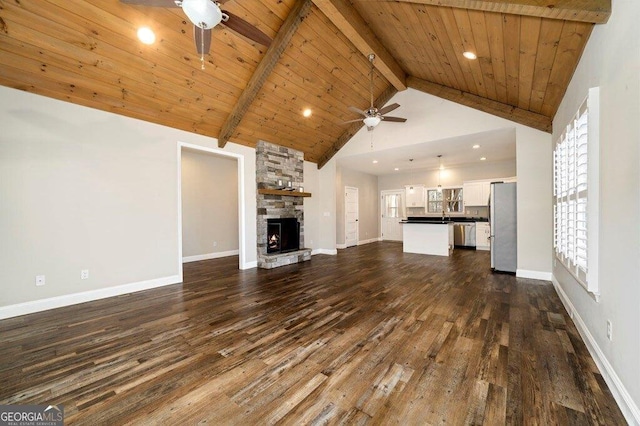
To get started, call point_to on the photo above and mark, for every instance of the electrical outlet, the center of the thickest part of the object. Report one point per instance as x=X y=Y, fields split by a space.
x=609 y=330
x=84 y=274
x=40 y=280
x=215 y=244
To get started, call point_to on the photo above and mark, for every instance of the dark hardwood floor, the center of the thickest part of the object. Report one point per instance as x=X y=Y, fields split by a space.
x=371 y=336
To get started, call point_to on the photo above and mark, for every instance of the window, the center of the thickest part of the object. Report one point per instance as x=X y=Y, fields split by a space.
x=447 y=200
x=393 y=205
x=575 y=176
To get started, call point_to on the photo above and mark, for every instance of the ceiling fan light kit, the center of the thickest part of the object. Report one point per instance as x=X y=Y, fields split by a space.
x=203 y=13
x=372 y=122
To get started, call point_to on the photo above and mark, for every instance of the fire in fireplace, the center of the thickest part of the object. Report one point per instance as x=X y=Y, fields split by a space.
x=283 y=235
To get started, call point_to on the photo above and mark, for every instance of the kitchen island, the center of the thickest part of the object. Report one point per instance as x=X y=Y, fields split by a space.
x=433 y=237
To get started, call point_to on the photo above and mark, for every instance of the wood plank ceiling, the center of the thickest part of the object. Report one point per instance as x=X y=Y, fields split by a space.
x=86 y=52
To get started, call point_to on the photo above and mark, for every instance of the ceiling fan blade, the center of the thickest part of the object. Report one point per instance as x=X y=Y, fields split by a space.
x=202 y=46
x=357 y=111
x=244 y=28
x=152 y=3
x=388 y=109
x=351 y=121
x=394 y=119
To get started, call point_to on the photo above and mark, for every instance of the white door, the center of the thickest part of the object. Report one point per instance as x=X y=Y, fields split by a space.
x=350 y=216
x=392 y=209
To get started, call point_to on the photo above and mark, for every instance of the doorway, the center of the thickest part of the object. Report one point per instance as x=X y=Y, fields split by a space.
x=392 y=208
x=242 y=253
x=350 y=216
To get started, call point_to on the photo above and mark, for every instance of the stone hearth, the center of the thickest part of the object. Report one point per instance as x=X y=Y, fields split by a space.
x=273 y=163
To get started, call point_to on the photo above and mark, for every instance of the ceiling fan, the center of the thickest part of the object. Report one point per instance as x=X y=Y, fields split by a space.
x=206 y=14
x=373 y=116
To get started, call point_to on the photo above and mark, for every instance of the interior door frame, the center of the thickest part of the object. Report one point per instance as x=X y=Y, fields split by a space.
x=242 y=249
x=357 y=215
x=382 y=206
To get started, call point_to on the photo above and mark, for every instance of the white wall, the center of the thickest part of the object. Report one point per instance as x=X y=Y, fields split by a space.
x=535 y=214
x=430 y=119
x=312 y=206
x=209 y=205
x=611 y=61
x=368 y=204
x=86 y=189
x=327 y=197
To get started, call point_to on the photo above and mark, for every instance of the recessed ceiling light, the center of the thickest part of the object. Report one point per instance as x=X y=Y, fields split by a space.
x=483 y=158
x=470 y=55
x=306 y=112
x=146 y=35
x=375 y=161
x=396 y=169
x=476 y=146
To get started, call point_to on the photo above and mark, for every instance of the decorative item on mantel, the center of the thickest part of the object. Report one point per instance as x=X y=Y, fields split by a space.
x=280 y=185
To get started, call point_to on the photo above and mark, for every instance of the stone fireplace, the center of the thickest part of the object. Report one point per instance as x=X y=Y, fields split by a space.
x=280 y=215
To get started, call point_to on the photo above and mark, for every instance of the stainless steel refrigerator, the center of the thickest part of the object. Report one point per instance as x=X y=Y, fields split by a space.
x=503 y=219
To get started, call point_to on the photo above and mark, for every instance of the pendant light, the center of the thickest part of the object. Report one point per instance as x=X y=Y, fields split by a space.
x=439 y=172
x=411 y=172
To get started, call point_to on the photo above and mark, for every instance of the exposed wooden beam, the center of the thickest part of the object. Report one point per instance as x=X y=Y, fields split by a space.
x=594 y=11
x=264 y=68
x=519 y=115
x=353 y=26
x=354 y=127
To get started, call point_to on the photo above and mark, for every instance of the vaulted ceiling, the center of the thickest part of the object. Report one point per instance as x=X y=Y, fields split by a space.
x=87 y=52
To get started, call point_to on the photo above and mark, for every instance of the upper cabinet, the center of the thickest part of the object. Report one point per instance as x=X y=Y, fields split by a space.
x=415 y=195
x=476 y=193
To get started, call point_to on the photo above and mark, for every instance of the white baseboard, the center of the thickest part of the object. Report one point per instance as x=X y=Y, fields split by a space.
x=331 y=252
x=370 y=240
x=534 y=275
x=361 y=242
x=85 y=296
x=208 y=256
x=249 y=265
x=628 y=407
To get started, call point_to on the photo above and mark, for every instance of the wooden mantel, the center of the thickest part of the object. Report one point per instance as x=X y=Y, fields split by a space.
x=265 y=191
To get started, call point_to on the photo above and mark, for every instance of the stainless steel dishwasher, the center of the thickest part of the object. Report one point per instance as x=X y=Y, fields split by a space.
x=464 y=234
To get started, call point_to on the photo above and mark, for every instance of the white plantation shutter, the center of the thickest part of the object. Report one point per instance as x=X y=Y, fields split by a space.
x=574 y=166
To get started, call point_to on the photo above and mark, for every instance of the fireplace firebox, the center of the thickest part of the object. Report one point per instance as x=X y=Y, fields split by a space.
x=283 y=235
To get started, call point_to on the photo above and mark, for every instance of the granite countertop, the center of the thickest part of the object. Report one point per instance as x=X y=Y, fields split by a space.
x=428 y=221
x=436 y=219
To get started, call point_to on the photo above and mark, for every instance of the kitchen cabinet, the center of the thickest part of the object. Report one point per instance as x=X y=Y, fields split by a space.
x=476 y=193
x=483 y=236
x=414 y=195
